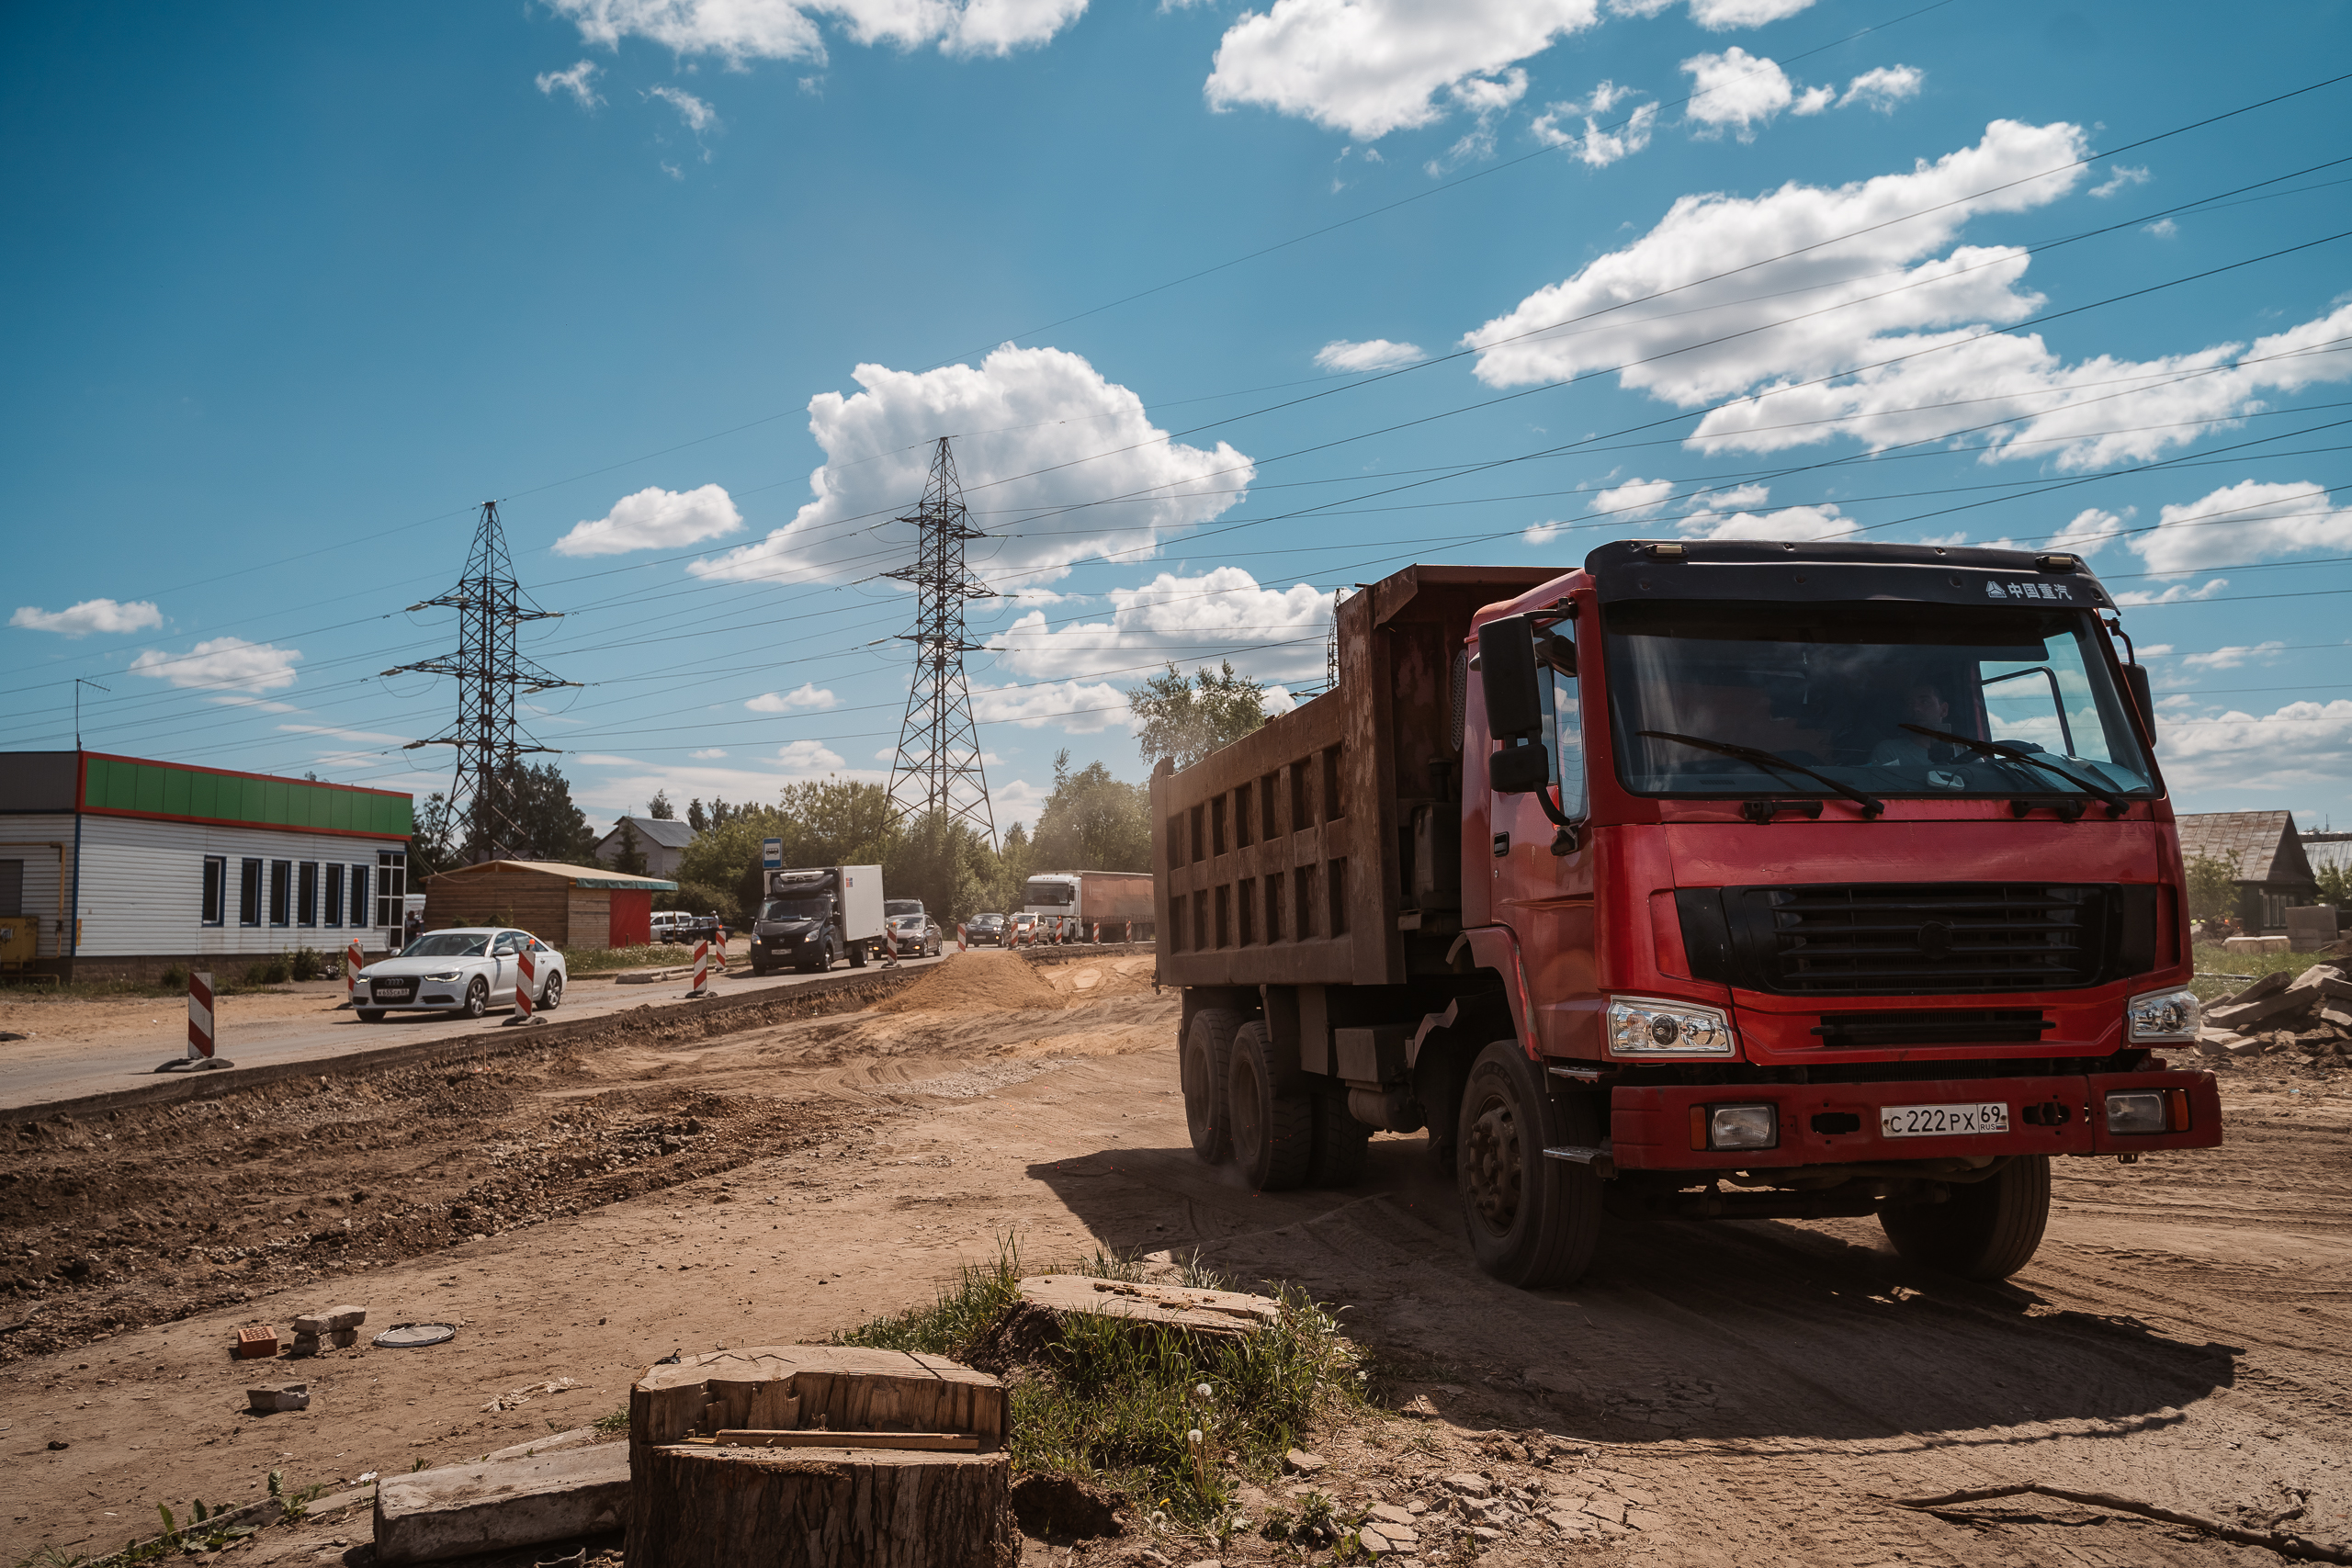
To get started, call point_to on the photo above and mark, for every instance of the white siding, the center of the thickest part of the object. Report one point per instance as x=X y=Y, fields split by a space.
x=27 y=839
x=142 y=887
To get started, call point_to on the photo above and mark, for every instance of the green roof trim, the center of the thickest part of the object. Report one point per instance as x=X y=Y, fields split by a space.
x=628 y=883
x=127 y=786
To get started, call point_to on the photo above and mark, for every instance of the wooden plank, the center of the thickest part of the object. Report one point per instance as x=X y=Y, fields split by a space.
x=929 y=1442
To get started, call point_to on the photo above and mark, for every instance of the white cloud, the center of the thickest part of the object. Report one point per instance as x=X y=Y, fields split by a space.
x=1377 y=354
x=654 y=519
x=229 y=663
x=806 y=697
x=1059 y=465
x=1739 y=91
x=2090 y=529
x=1153 y=622
x=707 y=754
x=696 y=115
x=2297 y=746
x=89 y=616
x=2231 y=657
x=737 y=30
x=2179 y=594
x=576 y=81
x=1796 y=523
x=2248 y=520
x=1635 y=498
x=1594 y=146
x=1717 y=16
x=809 y=756
x=2163 y=228
x=1543 y=533
x=1368 y=67
x=2119 y=176
x=1736 y=497
x=1080 y=707
x=1485 y=97
x=1883 y=88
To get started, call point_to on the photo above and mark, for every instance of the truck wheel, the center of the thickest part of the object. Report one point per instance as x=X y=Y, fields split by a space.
x=1987 y=1230
x=1339 y=1144
x=1207 y=1061
x=1533 y=1221
x=1274 y=1123
x=857 y=955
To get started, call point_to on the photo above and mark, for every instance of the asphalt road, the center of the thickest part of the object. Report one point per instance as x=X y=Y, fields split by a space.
x=38 y=1072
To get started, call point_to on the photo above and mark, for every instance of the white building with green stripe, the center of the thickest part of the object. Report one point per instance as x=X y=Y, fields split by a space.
x=124 y=866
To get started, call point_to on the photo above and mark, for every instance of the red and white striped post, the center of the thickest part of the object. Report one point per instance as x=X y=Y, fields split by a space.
x=525 y=973
x=1097 y=937
x=352 y=964
x=702 y=969
x=202 y=1029
x=722 y=950
x=959 y=936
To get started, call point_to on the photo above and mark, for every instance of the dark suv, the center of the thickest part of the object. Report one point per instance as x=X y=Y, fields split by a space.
x=987 y=929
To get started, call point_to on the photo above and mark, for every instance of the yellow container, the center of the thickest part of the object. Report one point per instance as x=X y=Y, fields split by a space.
x=19 y=936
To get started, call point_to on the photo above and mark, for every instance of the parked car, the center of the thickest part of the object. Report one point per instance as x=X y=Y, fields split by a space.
x=987 y=929
x=468 y=971
x=671 y=925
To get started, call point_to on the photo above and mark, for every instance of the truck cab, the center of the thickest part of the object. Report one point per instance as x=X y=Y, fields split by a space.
x=1723 y=878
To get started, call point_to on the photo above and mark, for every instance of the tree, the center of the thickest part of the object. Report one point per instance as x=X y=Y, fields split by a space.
x=660 y=808
x=549 y=827
x=2212 y=888
x=2335 y=886
x=1185 y=720
x=429 y=847
x=696 y=818
x=628 y=859
x=1093 y=822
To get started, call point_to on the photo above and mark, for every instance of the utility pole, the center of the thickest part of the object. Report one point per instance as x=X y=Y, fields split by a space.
x=491 y=673
x=937 y=773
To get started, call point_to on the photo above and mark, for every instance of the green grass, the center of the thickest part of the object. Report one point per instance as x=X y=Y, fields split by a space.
x=1172 y=1420
x=600 y=960
x=2211 y=959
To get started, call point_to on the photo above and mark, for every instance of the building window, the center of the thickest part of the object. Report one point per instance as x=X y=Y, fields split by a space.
x=216 y=890
x=334 y=900
x=249 y=894
x=12 y=888
x=391 y=887
x=281 y=893
x=359 y=901
x=306 y=894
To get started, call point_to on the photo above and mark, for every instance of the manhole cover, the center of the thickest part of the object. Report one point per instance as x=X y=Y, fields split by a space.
x=409 y=1336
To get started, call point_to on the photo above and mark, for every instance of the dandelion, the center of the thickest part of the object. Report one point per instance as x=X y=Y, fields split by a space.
x=1201 y=1391
x=1194 y=1436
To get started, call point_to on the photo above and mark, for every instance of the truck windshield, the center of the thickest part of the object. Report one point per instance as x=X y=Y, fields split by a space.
x=1832 y=687
x=808 y=909
x=903 y=907
x=1049 y=892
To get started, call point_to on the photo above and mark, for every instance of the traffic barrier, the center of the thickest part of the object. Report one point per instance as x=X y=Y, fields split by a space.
x=702 y=969
x=1097 y=937
x=722 y=950
x=202 y=1036
x=524 y=973
x=352 y=964
x=959 y=936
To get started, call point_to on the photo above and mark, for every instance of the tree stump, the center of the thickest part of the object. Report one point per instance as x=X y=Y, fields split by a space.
x=1034 y=1323
x=697 y=1498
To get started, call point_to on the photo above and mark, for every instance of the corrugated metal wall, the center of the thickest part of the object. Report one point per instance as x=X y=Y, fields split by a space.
x=27 y=839
x=142 y=888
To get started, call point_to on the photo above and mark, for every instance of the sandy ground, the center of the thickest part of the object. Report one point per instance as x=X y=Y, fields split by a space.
x=1745 y=1394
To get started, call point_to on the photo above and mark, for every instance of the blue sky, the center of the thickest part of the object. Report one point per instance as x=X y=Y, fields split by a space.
x=1224 y=306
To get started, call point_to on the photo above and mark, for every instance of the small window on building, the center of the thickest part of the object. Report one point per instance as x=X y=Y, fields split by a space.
x=249 y=893
x=391 y=887
x=216 y=890
x=334 y=900
x=12 y=888
x=281 y=893
x=360 y=907
x=306 y=894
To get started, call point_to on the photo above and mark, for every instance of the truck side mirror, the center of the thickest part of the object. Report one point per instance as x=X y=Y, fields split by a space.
x=1508 y=676
x=1519 y=770
x=2136 y=677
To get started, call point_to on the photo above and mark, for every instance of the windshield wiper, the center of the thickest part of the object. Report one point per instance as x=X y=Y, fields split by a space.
x=2116 y=805
x=1871 y=805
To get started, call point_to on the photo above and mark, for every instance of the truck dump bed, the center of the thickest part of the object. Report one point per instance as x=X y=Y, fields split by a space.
x=1286 y=857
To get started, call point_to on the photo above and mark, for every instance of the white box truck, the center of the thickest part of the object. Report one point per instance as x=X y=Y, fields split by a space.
x=813 y=917
x=1117 y=904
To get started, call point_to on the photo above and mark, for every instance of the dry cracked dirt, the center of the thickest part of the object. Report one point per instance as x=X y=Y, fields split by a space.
x=1754 y=1392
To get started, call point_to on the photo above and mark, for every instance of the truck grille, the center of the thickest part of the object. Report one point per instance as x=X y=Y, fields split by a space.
x=1934 y=1026
x=1896 y=939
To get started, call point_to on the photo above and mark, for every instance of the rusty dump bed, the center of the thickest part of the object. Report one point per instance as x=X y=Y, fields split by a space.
x=1283 y=859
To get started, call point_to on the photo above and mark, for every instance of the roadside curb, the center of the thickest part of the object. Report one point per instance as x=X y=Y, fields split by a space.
x=482 y=1042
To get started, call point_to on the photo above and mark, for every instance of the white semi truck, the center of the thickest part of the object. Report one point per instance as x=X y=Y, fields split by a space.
x=813 y=917
x=1118 y=903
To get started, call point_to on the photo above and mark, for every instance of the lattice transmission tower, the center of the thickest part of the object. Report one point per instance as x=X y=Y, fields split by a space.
x=491 y=673
x=937 y=771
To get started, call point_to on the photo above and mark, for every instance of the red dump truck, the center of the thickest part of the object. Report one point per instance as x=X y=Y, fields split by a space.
x=1717 y=878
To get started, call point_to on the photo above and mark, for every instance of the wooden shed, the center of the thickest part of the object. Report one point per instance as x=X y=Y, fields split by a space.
x=565 y=906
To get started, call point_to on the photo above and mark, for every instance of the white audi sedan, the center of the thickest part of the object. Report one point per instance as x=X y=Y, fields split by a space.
x=468 y=971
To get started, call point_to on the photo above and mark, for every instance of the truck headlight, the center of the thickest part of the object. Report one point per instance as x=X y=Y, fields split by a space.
x=1642 y=1026
x=2136 y=1110
x=2158 y=1016
x=1736 y=1127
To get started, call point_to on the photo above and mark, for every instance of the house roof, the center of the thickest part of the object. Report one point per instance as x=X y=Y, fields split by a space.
x=2333 y=855
x=578 y=875
x=668 y=832
x=2260 y=846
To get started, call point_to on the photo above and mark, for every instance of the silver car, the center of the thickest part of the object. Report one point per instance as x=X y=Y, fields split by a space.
x=468 y=971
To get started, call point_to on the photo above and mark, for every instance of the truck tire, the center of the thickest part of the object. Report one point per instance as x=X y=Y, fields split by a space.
x=1985 y=1230
x=1205 y=1064
x=857 y=953
x=1339 y=1144
x=1272 y=1120
x=1533 y=1221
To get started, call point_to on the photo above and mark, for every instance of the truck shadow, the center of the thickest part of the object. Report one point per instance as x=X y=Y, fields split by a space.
x=1732 y=1330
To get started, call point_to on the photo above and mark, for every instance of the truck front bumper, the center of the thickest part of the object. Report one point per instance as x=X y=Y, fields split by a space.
x=1840 y=1123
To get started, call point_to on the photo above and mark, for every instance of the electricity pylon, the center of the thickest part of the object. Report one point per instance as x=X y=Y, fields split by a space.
x=491 y=673
x=937 y=773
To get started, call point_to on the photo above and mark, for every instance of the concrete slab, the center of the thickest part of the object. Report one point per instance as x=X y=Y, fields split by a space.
x=436 y=1515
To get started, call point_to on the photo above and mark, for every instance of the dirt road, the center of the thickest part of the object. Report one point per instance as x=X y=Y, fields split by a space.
x=1742 y=1393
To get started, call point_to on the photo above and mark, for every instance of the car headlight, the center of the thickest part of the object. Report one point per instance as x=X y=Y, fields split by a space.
x=444 y=975
x=2157 y=1016
x=1642 y=1026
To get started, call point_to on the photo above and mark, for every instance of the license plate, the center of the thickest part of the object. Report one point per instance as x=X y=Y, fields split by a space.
x=1941 y=1120
x=395 y=993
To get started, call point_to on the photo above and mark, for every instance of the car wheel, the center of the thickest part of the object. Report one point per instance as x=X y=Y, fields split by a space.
x=477 y=1001
x=371 y=1015
x=552 y=995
